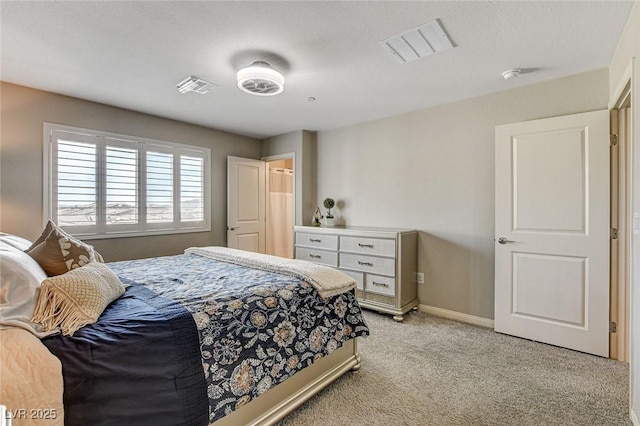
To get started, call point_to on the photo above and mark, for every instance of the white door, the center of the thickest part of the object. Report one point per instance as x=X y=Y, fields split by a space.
x=552 y=231
x=246 y=204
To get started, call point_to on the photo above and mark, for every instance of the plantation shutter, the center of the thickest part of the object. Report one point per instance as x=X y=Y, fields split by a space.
x=75 y=182
x=159 y=187
x=121 y=185
x=103 y=185
x=191 y=189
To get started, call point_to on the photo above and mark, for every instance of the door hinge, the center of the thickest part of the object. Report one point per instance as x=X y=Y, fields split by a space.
x=614 y=233
x=613 y=139
x=613 y=327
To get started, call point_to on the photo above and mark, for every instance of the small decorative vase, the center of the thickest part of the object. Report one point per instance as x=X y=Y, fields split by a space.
x=329 y=221
x=315 y=220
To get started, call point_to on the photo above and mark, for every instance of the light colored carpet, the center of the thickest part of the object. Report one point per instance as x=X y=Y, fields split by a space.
x=433 y=371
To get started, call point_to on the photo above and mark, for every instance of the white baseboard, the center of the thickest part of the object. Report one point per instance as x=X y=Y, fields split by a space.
x=634 y=418
x=458 y=316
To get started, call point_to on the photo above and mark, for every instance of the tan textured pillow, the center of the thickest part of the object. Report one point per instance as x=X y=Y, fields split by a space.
x=58 y=252
x=76 y=298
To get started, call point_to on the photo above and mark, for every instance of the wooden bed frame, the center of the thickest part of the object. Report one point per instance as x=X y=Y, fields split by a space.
x=280 y=401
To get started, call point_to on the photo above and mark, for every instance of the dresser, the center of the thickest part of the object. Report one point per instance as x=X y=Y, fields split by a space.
x=383 y=262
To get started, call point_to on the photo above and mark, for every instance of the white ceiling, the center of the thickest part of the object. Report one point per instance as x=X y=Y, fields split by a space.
x=132 y=54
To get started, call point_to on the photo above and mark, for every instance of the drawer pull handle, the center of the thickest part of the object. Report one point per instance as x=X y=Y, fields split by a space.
x=315 y=256
x=365 y=263
x=315 y=240
x=380 y=284
x=366 y=245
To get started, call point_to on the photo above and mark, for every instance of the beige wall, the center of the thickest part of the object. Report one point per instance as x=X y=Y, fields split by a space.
x=628 y=47
x=430 y=170
x=23 y=110
x=433 y=170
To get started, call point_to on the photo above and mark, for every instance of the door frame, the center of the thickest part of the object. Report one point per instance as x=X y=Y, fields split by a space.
x=621 y=219
x=631 y=76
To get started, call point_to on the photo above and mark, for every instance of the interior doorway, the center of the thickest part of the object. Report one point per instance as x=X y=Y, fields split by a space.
x=280 y=204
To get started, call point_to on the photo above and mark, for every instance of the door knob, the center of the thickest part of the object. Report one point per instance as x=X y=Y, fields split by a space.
x=233 y=229
x=503 y=240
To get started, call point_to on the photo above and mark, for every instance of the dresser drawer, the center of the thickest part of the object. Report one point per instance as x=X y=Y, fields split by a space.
x=328 y=242
x=377 y=246
x=318 y=256
x=376 y=265
x=380 y=285
x=358 y=276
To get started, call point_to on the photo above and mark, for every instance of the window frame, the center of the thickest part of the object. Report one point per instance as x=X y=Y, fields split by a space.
x=52 y=132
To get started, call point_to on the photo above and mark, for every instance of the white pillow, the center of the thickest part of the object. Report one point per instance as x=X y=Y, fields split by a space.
x=14 y=241
x=19 y=289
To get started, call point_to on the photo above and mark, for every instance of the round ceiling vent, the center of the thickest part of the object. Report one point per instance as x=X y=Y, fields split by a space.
x=260 y=79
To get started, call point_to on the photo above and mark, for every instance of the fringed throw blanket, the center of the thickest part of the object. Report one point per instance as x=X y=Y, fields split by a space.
x=326 y=280
x=76 y=298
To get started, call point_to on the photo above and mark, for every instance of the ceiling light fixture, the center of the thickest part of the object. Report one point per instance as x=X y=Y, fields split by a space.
x=511 y=74
x=260 y=79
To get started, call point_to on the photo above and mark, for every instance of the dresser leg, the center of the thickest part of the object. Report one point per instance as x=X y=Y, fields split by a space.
x=398 y=318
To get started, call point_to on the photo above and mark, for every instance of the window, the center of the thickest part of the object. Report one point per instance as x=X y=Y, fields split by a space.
x=103 y=185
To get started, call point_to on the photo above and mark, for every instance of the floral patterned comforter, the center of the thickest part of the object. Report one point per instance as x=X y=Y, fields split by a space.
x=256 y=328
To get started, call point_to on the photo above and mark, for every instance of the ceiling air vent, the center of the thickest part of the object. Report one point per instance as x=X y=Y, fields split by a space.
x=195 y=84
x=419 y=42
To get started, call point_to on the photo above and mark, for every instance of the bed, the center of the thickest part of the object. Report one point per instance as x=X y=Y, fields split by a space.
x=198 y=339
